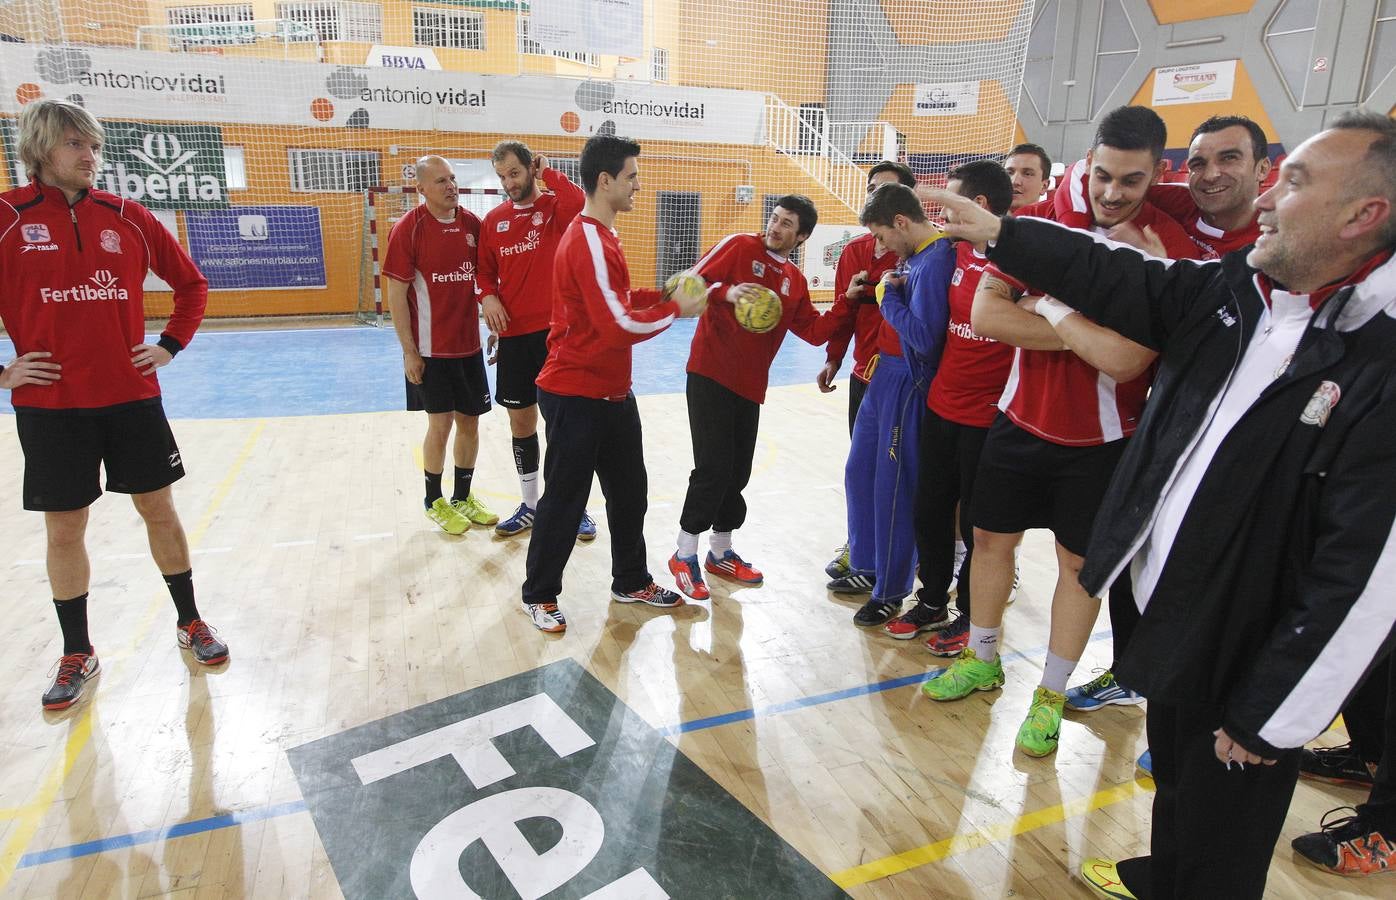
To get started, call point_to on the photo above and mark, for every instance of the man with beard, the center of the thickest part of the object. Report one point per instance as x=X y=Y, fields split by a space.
x=518 y=241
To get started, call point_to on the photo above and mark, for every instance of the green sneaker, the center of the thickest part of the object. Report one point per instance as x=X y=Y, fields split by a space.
x=444 y=514
x=966 y=675
x=477 y=512
x=1038 y=734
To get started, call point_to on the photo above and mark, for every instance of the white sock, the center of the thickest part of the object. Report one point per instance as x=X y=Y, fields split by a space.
x=688 y=544
x=984 y=642
x=528 y=487
x=1056 y=672
x=719 y=542
x=960 y=548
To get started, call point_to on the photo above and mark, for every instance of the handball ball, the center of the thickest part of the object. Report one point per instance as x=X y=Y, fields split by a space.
x=761 y=313
x=687 y=285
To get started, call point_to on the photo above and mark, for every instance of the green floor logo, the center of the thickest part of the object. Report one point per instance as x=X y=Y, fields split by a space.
x=165 y=166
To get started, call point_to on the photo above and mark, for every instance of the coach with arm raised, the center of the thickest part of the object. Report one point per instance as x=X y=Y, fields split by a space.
x=1255 y=505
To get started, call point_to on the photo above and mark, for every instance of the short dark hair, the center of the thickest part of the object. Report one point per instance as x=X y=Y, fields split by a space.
x=1260 y=147
x=890 y=201
x=1035 y=150
x=1377 y=173
x=904 y=173
x=518 y=149
x=1132 y=128
x=803 y=208
x=604 y=153
x=987 y=178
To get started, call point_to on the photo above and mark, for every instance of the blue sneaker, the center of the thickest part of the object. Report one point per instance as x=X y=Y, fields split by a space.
x=1104 y=690
x=587 y=530
x=518 y=523
x=1146 y=763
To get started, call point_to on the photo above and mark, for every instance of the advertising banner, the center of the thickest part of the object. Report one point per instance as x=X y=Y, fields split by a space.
x=1197 y=83
x=957 y=98
x=164 y=166
x=822 y=252
x=251 y=248
x=130 y=84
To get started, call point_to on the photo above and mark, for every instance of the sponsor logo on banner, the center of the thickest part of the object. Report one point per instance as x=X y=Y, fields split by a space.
x=35 y=233
x=419 y=58
x=1197 y=83
x=165 y=166
x=823 y=250
x=955 y=98
x=253 y=228
x=111 y=241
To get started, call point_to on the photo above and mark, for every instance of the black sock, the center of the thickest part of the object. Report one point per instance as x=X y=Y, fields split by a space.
x=72 y=618
x=526 y=454
x=433 y=487
x=463 y=478
x=182 y=591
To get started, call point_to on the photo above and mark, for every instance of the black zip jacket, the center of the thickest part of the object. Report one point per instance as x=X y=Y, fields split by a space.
x=1279 y=591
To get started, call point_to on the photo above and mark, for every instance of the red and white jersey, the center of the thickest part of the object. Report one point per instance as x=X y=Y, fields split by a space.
x=71 y=285
x=518 y=243
x=973 y=369
x=1060 y=397
x=726 y=352
x=597 y=318
x=1176 y=200
x=856 y=320
x=437 y=262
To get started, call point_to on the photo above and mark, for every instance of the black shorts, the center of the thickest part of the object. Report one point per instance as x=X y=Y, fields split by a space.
x=1025 y=482
x=521 y=358
x=64 y=452
x=451 y=385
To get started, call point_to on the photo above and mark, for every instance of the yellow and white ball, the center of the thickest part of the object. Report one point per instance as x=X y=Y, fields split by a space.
x=759 y=312
x=687 y=285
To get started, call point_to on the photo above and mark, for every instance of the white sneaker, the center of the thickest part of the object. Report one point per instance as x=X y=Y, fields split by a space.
x=546 y=617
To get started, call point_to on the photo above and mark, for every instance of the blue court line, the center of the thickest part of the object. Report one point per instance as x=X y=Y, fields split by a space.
x=259 y=813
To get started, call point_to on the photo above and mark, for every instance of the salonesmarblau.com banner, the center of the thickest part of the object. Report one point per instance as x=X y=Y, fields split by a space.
x=134 y=84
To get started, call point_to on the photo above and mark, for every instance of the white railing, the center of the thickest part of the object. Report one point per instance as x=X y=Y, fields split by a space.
x=880 y=139
x=805 y=140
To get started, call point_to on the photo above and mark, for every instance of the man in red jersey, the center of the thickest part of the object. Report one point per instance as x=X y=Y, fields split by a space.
x=861 y=265
x=518 y=241
x=589 y=412
x=728 y=371
x=430 y=266
x=959 y=411
x=1048 y=459
x=1029 y=170
x=83 y=385
x=1227 y=164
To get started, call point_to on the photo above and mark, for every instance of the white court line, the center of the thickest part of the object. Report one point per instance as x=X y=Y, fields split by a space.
x=379 y=535
x=27 y=562
x=293 y=543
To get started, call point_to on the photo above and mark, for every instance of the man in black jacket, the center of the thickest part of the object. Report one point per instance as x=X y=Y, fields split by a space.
x=1255 y=504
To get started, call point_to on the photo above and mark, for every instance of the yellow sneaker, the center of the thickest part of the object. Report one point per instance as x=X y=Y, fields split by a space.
x=1103 y=878
x=477 y=512
x=447 y=516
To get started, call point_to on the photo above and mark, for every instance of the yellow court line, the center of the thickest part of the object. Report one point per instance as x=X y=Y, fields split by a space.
x=960 y=843
x=32 y=814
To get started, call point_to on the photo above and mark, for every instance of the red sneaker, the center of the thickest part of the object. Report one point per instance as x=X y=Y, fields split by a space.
x=918 y=619
x=687 y=576
x=732 y=567
x=952 y=639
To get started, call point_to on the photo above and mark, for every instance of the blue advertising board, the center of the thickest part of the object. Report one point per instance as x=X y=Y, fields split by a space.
x=253 y=248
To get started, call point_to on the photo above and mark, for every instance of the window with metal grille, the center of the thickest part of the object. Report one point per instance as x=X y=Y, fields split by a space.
x=333 y=171
x=209 y=26
x=337 y=20
x=659 y=64
x=447 y=28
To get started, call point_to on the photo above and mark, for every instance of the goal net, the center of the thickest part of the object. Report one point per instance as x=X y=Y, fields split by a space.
x=256 y=130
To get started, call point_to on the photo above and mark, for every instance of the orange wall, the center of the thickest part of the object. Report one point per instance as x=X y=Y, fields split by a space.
x=777 y=47
x=1169 y=11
